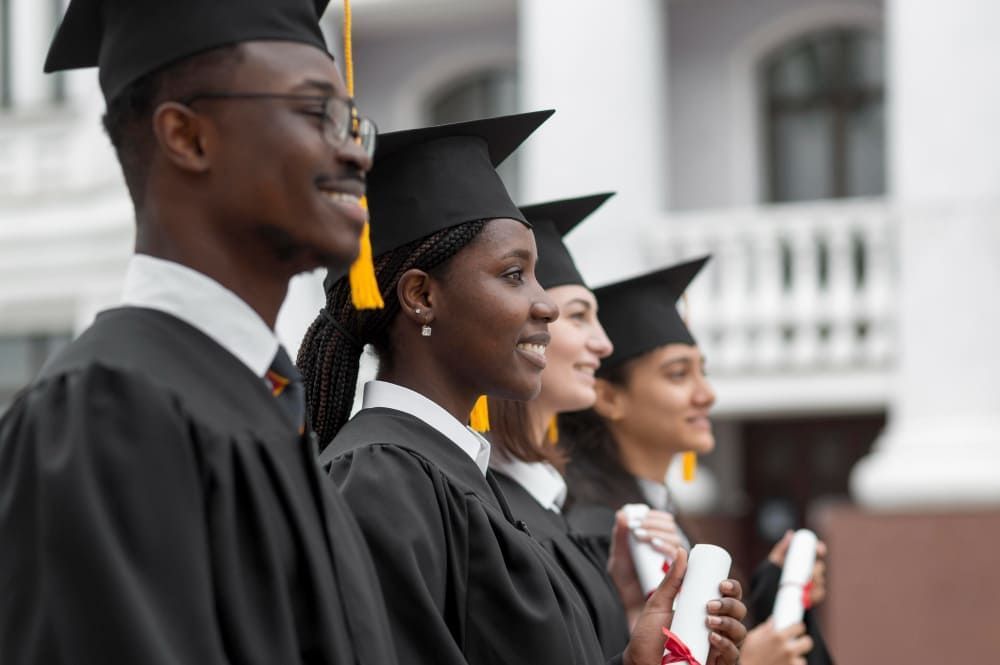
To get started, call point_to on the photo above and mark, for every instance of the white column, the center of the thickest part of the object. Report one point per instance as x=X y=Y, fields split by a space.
x=942 y=446
x=31 y=29
x=602 y=66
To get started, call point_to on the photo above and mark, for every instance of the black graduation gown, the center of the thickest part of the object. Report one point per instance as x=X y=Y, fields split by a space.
x=594 y=524
x=581 y=563
x=157 y=506
x=463 y=582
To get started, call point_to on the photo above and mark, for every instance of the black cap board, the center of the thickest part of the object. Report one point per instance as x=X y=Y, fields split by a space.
x=551 y=222
x=127 y=39
x=640 y=314
x=429 y=179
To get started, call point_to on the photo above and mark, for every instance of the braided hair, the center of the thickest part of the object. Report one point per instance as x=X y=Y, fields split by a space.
x=330 y=354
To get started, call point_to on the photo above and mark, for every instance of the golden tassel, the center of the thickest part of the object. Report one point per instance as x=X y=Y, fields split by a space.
x=364 y=285
x=479 y=419
x=690 y=463
x=552 y=431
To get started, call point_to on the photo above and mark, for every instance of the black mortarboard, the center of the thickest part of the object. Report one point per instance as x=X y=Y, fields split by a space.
x=640 y=314
x=428 y=179
x=551 y=222
x=127 y=39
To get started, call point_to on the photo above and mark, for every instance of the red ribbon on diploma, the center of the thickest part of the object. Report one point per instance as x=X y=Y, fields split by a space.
x=807 y=595
x=677 y=651
x=666 y=567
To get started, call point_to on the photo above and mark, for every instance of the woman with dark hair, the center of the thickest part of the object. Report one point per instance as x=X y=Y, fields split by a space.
x=526 y=462
x=463 y=580
x=653 y=402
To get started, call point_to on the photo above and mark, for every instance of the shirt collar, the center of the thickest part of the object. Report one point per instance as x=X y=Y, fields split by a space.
x=656 y=494
x=392 y=396
x=204 y=304
x=539 y=479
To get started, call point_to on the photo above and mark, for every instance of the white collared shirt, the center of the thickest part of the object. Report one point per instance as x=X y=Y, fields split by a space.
x=392 y=396
x=203 y=303
x=656 y=495
x=539 y=479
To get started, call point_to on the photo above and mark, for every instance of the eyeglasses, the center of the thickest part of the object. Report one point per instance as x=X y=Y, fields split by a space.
x=339 y=116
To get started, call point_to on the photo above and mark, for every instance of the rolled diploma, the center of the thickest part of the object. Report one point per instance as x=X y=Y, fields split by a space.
x=788 y=608
x=648 y=562
x=707 y=567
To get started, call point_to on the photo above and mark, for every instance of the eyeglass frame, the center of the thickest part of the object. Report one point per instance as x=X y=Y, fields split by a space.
x=356 y=121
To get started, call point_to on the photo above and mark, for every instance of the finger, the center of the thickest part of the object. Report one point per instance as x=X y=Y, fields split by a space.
x=730 y=628
x=726 y=650
x=780 y=549
x=619 y=534
x=800 y=646
x=793 y=631
x=821 y=549
x=668 y=550
x=727 y=607
x=656 y=518
x=662 y=599
x=731 y=589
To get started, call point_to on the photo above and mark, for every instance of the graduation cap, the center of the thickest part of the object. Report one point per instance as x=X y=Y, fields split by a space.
x=640 y=314
x=428 y=179
x=127 y=39
x=551 y=222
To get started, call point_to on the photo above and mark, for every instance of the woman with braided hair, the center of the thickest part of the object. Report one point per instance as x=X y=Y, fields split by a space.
x=463 y=580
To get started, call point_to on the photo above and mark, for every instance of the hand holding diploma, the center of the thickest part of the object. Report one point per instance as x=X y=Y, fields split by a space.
x=794 y=592
x=724 y=616
x=766 y=645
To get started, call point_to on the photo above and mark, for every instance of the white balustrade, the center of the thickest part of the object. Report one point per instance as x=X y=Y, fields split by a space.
x=791 y=288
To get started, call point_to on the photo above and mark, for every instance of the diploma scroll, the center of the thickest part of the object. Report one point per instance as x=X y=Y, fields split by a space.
x=789 y=606
x=648 y=562
x=708 y=566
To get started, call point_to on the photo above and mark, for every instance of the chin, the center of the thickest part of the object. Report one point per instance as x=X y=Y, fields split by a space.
x=577 y=401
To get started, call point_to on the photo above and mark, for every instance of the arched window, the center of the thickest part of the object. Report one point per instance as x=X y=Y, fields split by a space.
x=825 y=116
x=484 y=94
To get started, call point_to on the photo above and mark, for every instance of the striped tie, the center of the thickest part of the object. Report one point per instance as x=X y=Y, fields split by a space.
x=286 y=385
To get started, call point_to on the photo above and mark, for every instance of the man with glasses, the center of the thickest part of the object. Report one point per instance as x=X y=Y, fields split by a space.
x=159 y=496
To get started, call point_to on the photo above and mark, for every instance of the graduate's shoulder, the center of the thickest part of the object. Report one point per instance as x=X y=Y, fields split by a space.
x=158 y=352
x=400 y=453
x=382 y=429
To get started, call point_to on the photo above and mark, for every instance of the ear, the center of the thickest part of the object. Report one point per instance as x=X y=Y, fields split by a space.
x=612 y=402
x=413 y=291
x=183 y=136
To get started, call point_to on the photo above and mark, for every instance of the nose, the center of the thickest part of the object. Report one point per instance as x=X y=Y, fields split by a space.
x=351 y=154
x=599 y=343
x=704 y=394
x=543 y=307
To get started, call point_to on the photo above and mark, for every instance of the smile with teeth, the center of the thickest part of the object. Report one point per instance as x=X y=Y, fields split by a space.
x=533 y=348
x=343 y=198
x=586 y=369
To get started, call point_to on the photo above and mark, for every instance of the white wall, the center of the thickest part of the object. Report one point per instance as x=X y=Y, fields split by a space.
x=714 y=45
x=395 y=72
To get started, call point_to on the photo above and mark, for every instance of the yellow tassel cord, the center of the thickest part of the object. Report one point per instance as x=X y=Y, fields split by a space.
x=479 y=419
x=689 y=460
x=364 y=285
x=552 y=431
x=690 y=463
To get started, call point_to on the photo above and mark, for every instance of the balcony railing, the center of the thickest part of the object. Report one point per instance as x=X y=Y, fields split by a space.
x=792 y=288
